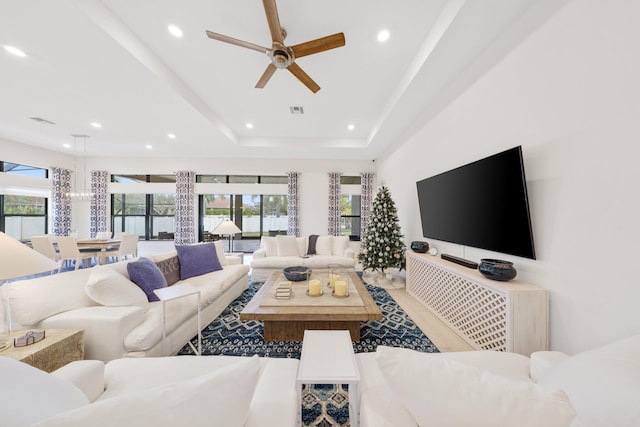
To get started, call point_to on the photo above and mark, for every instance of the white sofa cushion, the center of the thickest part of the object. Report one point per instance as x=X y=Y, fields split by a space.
x=108 y=287
x=219 y=244
x=443 y=392
x=221 y=397
x=29 y=395
x=302 y=245
x=324 y=245
x=33 y=300
x=339 y=245
x=87 y=375
x=287 y=245
x=270 y=245
x=603 y=384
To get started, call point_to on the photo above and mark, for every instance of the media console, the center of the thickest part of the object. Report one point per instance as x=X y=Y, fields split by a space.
x=488 y=315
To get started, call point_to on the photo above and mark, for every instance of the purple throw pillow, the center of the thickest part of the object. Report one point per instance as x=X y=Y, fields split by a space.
x=146 y=274
x=197 y=259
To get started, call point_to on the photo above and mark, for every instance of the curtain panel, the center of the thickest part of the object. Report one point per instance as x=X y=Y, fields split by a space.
x=334 y=203
x=185 y=233
x=293 y=212
x=366 y=202
x=61 y=203
x=99 y=215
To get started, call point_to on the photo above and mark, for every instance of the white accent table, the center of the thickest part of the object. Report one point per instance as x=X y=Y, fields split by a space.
x=174 y=292
x=327 y=358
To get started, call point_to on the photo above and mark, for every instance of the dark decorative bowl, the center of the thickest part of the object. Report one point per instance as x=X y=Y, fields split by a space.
x=296 y=274
x=496 y=269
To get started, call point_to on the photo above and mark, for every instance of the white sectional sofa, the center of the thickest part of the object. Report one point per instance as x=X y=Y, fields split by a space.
x=116 y=314
x=595 y=388
x=162 y=391
x=278 y=252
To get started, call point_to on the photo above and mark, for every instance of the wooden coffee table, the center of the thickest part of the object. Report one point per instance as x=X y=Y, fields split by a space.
x=287 y=322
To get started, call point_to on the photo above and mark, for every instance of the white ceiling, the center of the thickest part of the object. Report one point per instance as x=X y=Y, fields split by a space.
x=114 y=62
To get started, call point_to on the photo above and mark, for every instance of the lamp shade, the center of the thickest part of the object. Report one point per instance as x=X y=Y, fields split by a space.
x=17 y=259
x=226 y=227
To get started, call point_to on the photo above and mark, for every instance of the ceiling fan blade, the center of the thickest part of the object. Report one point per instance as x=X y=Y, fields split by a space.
x=266 y=76
x=274 y=21
x=318 y=45
x=303 y=77
x=236 y=42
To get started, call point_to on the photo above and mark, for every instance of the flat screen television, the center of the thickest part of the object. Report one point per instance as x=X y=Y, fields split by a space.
x=483 y=204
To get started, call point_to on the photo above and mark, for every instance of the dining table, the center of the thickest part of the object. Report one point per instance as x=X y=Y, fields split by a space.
x=102 y=244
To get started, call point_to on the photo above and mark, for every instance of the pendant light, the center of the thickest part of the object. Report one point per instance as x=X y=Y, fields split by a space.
x=84 y=195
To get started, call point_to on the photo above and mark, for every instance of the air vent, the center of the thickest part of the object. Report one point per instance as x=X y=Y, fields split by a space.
x=41 y=120
x=296 y=109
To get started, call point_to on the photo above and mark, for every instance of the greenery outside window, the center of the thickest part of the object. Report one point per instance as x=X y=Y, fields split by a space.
x=23 y=216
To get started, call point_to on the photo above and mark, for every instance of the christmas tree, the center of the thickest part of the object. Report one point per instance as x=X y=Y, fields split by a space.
x=382 y=245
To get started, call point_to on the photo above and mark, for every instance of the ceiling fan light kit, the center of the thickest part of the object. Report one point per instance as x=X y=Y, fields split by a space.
x=282 y=56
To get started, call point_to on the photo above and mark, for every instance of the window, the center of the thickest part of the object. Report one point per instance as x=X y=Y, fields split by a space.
x=350 y=209
x=151 y=216
x=18 y=169
x=255 y=215
x=23 y=216
x=143 y=178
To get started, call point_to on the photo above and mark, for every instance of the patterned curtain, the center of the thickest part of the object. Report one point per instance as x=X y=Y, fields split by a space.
x=366 y=202
x=61 y=204
x=99 y=214
x=293 y=213
x=185 y=201
x=334 y=203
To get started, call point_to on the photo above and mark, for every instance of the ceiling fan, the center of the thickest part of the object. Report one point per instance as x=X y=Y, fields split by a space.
x=282 y=56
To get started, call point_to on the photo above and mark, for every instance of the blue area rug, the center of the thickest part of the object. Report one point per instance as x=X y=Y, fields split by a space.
x=229 y=335
x=322 y=405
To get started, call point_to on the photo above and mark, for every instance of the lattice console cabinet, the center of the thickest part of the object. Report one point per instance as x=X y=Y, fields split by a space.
x=487 y=314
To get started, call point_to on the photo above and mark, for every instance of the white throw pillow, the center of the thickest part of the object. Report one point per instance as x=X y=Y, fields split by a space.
x=287 y=245
x=220 y=398
x=340 y=244
x=324 y=245
x=603 y=384
x=108 y=287
x=219 y=244
x=29 y=395
x=302 y=245
x=270 y=245
x=442 y=392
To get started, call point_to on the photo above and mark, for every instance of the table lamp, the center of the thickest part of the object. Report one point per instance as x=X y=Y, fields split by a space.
x=227 y=228
x=17 y=260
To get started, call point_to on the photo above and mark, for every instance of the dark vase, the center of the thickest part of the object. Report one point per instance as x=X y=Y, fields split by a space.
x=497 y=269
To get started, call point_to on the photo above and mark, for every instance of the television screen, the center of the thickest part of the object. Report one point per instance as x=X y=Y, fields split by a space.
x=483 y=204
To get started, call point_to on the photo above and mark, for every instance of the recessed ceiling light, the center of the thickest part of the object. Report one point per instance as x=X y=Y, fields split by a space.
x=15 y=51
x=249 y=125
x=383 y=36
x=148 y=147
x=66 y=145
x=96 y=125
x=351 y=127
x=175 y=31
x=171 y=136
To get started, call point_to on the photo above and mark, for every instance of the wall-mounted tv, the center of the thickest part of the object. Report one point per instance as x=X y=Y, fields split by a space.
x=483 y=204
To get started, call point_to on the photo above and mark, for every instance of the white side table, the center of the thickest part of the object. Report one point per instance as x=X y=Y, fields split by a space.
x=171 y=293
x=327 y=358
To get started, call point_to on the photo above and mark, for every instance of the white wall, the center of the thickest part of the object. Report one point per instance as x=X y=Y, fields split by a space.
x=569 y=94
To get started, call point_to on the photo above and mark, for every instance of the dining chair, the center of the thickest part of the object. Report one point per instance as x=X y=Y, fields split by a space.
x=128 y=246
x=103 y=235
x=44 y=245
x=69 y=251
